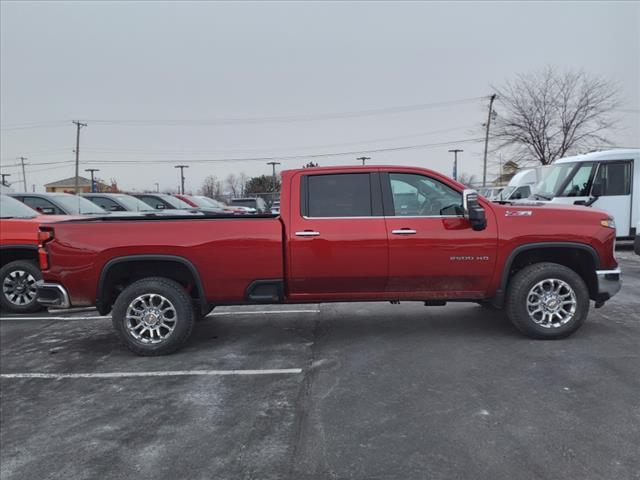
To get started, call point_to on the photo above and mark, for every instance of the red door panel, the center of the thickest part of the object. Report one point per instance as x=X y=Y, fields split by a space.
x=331 y=258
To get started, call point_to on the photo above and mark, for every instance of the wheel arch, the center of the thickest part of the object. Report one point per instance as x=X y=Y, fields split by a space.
x=11 y=253
x=174 y=267
x=580 y=257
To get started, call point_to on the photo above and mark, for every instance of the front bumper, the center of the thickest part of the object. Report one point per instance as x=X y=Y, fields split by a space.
x=52 y=295
x=609 y=283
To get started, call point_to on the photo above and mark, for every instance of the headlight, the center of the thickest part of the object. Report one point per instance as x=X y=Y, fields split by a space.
x=609 y=223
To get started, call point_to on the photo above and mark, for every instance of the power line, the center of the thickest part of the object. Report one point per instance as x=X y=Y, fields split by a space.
x=290 y=157
x=27 y=126
x=253 y=120
x=142 y=151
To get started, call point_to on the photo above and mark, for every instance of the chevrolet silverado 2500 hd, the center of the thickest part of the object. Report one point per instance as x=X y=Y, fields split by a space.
x=343 y=234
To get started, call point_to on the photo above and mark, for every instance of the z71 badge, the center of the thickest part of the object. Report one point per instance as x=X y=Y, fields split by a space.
x=518 y=213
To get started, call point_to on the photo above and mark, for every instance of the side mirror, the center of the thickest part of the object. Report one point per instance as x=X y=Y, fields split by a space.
x=596 y=190
x=473 y=211
x=160 y=206
x=46 y=210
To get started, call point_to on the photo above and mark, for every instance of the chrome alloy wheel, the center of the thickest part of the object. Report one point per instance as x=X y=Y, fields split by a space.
x=551 y=303
x=151 y=318
x=19 y=287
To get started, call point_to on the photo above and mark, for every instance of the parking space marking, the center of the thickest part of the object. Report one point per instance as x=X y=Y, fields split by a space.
x=215 y=314
x=174 y=373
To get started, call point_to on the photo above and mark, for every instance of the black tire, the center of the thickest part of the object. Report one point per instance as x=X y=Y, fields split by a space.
x=183 y=317
x=9 y=276
x=522 y=284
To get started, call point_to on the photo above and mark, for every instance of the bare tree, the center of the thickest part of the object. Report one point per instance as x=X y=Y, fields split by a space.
x=243 y=178
x=212 y=187
x=232 y=182
x=467 y=179
x=549 y=114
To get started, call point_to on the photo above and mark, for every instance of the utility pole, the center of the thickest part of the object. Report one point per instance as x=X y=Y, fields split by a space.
x=5 y=175
x=93 y=185
x=455 y=161
x=78 y=125
x=24 y=176
x=182 y=167
x=364 y=159
x=157 y=187
x=273 y=175
x=486 y=140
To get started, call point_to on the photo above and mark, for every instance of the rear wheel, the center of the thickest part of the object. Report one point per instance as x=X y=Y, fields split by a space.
x=153 y=316
x=547 y=301
x=18 y=280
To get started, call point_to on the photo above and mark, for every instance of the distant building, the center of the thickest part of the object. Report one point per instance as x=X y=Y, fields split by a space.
x=68 y=185
x=508 y=170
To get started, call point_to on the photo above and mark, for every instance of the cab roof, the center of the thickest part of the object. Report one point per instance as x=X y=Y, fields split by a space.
x=614 y=154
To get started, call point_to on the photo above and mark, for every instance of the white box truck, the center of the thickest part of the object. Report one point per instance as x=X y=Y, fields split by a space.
x=608 y=180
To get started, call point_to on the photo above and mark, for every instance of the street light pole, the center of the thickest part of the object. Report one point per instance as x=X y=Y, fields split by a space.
x=182 y=167
x=455 y=161
x=486 y=140
x=92 y=171
x=364 y=159
x=79 y=125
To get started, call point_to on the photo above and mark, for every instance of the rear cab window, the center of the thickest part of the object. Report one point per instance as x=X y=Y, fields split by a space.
x=341 y=195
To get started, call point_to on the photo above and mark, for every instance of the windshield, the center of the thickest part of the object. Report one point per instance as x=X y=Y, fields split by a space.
x=12 y=208
x=566 y=180
x=76 y=205
x=176 y=202
x=506 y=193
x=204 y=202
x=132 y=204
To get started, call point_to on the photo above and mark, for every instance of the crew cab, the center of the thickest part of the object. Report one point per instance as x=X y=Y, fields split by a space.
x=343 y=234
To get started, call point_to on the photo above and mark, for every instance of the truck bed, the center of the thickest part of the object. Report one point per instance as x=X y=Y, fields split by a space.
x=228 y=252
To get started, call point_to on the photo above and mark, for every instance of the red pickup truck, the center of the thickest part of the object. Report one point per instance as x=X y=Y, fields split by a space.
x=343 y=234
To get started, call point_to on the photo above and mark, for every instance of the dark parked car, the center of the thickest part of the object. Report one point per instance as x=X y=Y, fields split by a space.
x=161 y=201
x=58 y=203
x=118 y=202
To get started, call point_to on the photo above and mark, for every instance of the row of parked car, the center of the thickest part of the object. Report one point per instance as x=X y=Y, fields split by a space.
x=22 y=213
x=98 y=203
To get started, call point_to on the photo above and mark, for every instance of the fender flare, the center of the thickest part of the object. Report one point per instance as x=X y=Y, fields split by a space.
x=499 y=297
x=204 y=305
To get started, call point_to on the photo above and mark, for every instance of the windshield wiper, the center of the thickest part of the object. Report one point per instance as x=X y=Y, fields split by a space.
x=543 y=197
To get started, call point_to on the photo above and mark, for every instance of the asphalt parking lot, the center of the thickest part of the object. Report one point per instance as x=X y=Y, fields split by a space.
x=340 y=391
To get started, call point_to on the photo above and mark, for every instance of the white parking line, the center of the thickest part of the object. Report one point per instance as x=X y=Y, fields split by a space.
x=174 y=373
x=216 y=314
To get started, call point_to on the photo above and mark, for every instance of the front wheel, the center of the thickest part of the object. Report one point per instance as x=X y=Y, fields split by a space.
x=547 y=301
x=18 y=279
x=153 y=316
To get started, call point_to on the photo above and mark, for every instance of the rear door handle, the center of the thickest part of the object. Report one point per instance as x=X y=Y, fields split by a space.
x=307 y=233
x=404 y=231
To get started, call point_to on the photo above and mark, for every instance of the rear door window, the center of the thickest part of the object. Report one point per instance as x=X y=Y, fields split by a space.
x=339 y=195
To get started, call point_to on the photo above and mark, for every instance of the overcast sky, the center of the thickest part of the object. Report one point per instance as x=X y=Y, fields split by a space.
x=186 y=82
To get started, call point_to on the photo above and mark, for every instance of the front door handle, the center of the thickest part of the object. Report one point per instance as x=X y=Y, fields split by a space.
x=307 y=233
x=404 y=231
